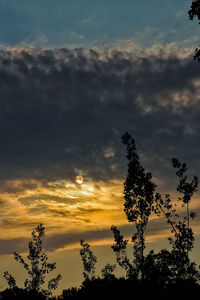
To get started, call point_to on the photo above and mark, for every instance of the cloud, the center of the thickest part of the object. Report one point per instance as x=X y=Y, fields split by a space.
x=71 y=239
x=8 y=246
x=63 y=113
x=108 y=152
x=60 y=206
x=156 y=229
x=65 y=110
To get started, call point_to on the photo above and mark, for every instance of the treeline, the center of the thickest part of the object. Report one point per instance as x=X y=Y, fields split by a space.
x=166 y=273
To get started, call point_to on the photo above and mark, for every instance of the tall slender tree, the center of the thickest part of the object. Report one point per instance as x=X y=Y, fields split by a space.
x=139 y=197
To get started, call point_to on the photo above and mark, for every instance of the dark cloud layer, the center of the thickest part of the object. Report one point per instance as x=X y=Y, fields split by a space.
x=62 y=110
x=155 y=229
x=59 y=241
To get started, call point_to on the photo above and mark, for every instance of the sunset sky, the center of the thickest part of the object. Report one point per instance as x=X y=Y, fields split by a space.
x=74 y=77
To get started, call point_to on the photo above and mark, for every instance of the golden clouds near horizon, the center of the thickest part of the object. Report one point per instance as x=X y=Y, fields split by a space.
x=65 y=206
x=62 y=206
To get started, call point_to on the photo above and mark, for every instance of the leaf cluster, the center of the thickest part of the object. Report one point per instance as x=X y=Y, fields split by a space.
x=37 y=268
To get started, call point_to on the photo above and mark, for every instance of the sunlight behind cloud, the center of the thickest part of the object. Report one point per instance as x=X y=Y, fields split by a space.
x=74 y=210
x=79 y=179
x=61 y=205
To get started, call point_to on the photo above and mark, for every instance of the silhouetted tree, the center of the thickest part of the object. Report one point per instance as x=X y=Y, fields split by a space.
x=159 y=268
x=186 y=188
x=195 y=12
x=166 y=266
x=38 y=267
x=89 y=260
x=119 y=249
x=71 y=293
x=139 y=196
x=182 y=241
x=21 y=294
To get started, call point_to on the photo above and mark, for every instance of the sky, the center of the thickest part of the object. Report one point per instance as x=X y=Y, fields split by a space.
x=74 y=77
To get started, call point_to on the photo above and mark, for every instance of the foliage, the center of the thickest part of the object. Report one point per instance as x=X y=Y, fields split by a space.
x=159 y=268
x=89 y=260
x=182 y=241
x=195 y=12
x=120 y=250
x=21 y=294
x=107 y=272
x=38 y=267
x=124 y=288
x=165 y=267
x=71 y=293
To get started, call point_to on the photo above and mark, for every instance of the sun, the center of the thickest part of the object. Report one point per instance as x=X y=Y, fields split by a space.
x=79 y=179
